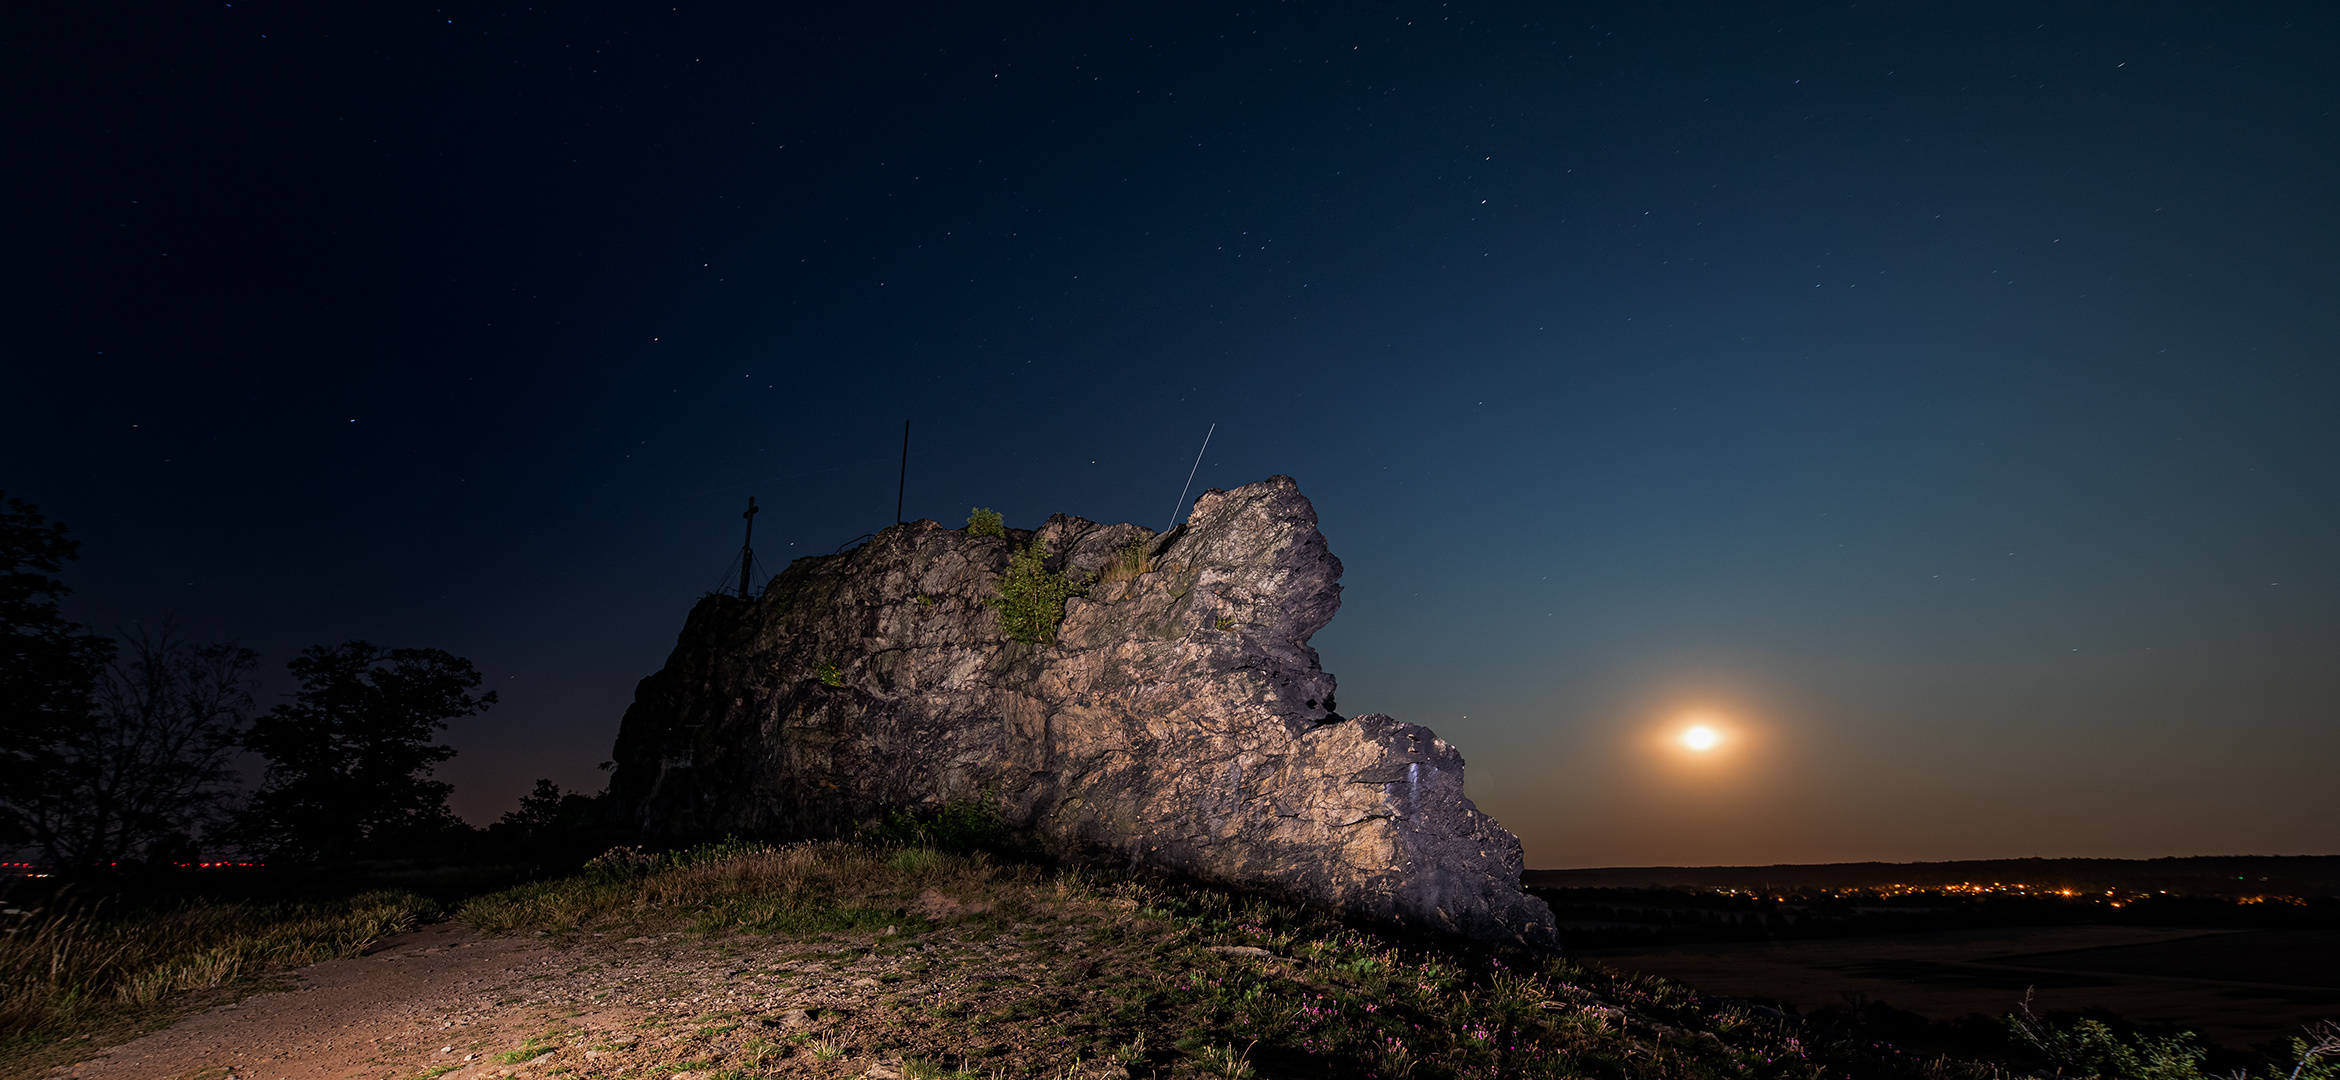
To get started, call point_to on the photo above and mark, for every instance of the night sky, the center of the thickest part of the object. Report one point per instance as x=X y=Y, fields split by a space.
x=1936 y=401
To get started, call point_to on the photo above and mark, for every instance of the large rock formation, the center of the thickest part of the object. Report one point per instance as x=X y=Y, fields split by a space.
x=1178 y=720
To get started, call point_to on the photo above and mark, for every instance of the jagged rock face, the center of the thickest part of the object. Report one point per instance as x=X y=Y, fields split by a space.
x=1179 y=720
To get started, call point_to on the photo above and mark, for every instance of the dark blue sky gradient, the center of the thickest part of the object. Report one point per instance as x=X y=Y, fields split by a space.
x=1941 y=396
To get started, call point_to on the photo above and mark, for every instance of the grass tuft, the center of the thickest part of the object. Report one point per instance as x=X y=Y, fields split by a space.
x=1134 y=559
x=66 y=969
x=801 y=890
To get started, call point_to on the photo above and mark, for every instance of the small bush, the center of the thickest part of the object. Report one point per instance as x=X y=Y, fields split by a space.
x=968 y=825
x=984 y=521
x=828 y=673
x=2089 y=1047
x=1031 y=600
x=962 y=825
x=622 y=864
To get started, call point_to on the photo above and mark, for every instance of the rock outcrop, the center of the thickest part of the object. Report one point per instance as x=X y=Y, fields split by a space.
x=1179 y=719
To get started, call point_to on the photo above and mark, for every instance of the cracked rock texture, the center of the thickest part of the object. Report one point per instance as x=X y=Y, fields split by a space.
x=1178 y=721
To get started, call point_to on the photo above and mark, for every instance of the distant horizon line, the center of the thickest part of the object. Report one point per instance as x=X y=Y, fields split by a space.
x=1911 y=862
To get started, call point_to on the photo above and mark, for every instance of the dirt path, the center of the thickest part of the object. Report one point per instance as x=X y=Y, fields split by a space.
x=388 y=1013
x=448 y=1003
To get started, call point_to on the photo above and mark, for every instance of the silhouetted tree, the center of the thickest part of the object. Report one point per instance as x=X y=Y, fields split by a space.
x=48 y=665
x=149 y=766
x=540 y=810
x=549 y=811
x=557 y=828
x=349 y=758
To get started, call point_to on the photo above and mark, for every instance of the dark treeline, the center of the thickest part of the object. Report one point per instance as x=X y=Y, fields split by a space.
x=1612 y=918
x=119 y=757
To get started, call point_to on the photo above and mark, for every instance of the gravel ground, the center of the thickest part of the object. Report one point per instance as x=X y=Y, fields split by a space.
x=448 y=1002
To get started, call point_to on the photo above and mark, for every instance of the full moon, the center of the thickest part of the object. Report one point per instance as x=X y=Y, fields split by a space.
x=1701 y=738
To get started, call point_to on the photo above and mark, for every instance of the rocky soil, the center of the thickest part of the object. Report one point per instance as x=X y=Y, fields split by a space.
x=459 y=1005
x=738 y=962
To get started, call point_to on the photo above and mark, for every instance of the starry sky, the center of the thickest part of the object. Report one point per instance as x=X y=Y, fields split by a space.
x=1938 y=401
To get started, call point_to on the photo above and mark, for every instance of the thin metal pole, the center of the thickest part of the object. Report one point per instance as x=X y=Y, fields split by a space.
x=905 y=485
x=747 y=549
x=1198 y=456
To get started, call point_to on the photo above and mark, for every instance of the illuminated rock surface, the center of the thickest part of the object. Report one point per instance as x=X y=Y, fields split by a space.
x=1179 y=721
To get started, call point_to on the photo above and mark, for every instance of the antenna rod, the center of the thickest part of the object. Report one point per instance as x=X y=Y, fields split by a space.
x=1198 y=456
x=747 y=549
x=905 y=485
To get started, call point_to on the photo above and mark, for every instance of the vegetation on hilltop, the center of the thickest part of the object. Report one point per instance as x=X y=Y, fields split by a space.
x=969 y=963
x=1172 y=979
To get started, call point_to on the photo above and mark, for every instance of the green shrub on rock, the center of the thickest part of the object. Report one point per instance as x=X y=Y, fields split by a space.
x=1031 y=600
x=960 y=826
x=985 y=521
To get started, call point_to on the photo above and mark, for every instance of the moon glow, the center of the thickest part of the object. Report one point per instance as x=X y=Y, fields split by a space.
x=1701 y=738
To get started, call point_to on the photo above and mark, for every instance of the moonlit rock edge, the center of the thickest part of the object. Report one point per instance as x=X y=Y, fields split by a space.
x=1179 y=721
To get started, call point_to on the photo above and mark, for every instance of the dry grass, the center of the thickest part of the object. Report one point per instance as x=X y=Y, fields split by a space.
x=963 y=966
x=799 y=889
x=836 y=960
x=63 y=972
x=1135 y=558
